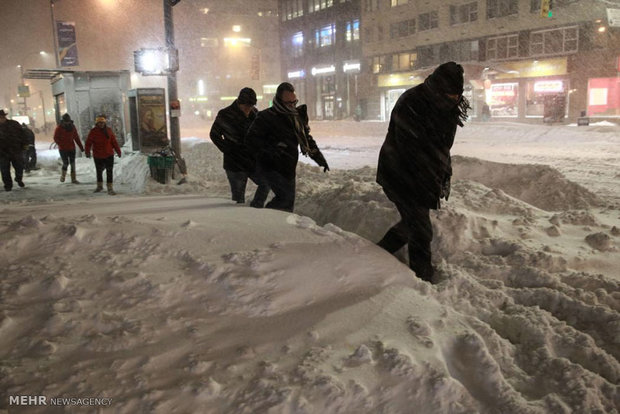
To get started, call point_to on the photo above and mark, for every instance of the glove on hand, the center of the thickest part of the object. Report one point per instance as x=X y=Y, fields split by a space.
x=88 y=155
x=445 y=189
x=318 y=157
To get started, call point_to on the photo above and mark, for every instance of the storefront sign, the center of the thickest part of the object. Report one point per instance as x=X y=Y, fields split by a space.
x=399 y=79
x=351 y=66
x=552 y=86
x=323 y=70
x=503 y=89
x=297 y=74
x=533 y=68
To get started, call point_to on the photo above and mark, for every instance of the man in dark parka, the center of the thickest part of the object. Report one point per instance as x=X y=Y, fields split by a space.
x=414 y=162
x=227 y=133
x=276 y=136
x=12 y=144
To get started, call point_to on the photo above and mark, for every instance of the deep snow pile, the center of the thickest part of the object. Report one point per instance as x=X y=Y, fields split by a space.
x=193 y=304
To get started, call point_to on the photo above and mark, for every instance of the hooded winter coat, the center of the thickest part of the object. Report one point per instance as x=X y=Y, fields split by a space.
x=103 y=145
x=414 y=160
x=66 y=138
x=273 y=137
x=228 y=132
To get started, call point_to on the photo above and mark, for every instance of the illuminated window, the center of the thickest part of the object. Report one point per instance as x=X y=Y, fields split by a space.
x=353 y=31
x=297 y=43
x=317 y=5
x=378 y=65
x=326 y=36
x=404 y=61
x=398 y=2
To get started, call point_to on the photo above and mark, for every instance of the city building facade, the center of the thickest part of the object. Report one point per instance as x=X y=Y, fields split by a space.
x=321 y=54
x=227 y=45
x=519 y=64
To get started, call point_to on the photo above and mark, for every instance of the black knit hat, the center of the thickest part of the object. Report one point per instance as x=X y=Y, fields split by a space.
x=66 y=118
x=448 y=78
x=247 y=96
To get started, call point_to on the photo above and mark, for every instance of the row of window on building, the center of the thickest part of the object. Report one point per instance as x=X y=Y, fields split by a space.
x=324 y=36
x=292 y=9
x=548 y=42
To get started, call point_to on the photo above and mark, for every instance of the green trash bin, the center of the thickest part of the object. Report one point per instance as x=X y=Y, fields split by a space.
x=161 y=168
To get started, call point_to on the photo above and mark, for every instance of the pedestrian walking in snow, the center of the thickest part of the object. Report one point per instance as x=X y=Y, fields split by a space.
x=275 y=136
x=414 y=162
x=13 y=142
x=66 y=137
x=227 y=133
x=30 y=153
x=102 y=141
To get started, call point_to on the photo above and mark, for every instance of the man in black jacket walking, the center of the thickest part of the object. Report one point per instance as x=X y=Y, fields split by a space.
x=227 y=133
x=275 y=136
x=414 y=162
x=12 y=144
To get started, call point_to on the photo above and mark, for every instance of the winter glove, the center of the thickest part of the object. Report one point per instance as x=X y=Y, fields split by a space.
x=445 y=189
x=88 y=155
x=119 y=155
x=318 y=157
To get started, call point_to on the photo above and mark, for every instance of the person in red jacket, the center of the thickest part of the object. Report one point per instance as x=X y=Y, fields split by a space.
x=103 y=142
x=66 y=136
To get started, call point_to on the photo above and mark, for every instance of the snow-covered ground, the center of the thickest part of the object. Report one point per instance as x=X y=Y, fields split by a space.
x=171 y=298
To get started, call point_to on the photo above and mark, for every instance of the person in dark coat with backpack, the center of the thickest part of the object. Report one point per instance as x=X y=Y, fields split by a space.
x=227 y=133
x=13 y=142
x=414 y=162
x=276 y=136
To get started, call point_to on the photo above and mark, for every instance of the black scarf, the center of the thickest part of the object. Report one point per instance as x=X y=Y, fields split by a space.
x=458 y=109
x=298 y=125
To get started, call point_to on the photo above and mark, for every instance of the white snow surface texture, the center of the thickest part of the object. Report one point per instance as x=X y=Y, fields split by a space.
x=171 y=298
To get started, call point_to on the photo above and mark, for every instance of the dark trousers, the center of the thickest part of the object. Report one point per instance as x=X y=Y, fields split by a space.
x=238 y=181
x=282 y=187
x=106 y=164
x=416 y=231
x=68 y=157
x=6 y=160
x=30 y=158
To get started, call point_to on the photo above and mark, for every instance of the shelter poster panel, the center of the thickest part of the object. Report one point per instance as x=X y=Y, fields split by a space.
x=67 y=44
x=152 y=117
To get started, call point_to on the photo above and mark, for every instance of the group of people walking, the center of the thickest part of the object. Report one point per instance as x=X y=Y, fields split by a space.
x=263 y=146
x=414 y=167
x=17 y=150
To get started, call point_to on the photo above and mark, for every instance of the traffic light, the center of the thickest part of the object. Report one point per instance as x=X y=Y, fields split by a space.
x=546 y=8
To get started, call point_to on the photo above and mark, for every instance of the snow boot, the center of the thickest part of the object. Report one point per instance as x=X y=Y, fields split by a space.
x=73 y=179
x=99 y=187
x=63 y=174
x=111 y=189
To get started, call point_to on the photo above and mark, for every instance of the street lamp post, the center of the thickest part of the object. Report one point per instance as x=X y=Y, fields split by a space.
x=175 y=134
x=54 y=33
